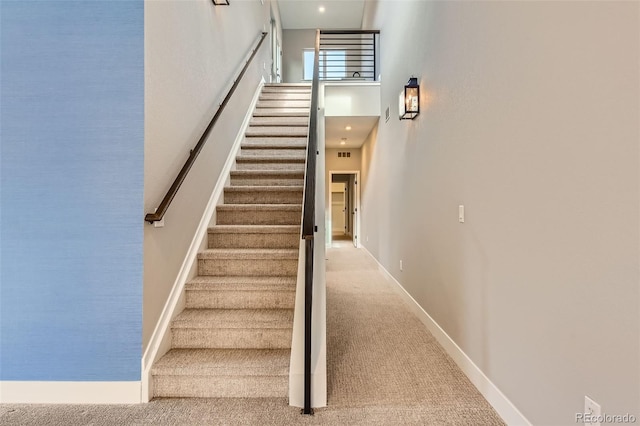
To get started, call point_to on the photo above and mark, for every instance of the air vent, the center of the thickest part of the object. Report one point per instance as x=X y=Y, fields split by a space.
x=344 y=154
x=386 y=115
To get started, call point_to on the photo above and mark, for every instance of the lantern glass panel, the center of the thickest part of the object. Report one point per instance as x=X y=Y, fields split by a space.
x=411 y=99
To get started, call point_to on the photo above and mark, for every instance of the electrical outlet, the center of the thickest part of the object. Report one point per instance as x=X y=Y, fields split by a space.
x=367 y=238
x=461 y=214
x=591 y=412
x=401 y=265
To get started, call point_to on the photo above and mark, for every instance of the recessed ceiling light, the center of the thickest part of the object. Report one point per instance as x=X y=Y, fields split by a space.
x=321 y=9
x=343 y=143
x=348 y=128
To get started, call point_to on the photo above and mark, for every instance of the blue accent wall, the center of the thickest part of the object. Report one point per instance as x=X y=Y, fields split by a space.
x=71 y=158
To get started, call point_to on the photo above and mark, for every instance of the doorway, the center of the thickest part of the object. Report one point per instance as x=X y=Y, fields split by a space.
x=276 y=53
x=344 y=207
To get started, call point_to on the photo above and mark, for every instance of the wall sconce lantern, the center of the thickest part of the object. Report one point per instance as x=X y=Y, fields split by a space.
x=221 y=2
x=409 y=102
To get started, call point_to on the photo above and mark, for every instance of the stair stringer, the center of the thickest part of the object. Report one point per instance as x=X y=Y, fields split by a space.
x=160 y=342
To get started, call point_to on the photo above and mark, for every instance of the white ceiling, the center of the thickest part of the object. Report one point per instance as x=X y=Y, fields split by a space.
x=338 y=14
x=335 y=130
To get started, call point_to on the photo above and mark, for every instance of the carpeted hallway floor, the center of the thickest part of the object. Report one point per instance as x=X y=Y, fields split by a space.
x=384 y=368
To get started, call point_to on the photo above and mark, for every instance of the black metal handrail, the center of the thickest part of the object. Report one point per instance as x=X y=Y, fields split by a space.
x=308 y=224
x=173 y=190
x=349 y=54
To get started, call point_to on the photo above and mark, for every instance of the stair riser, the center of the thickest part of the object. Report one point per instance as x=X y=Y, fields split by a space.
x=212 y=299
x=301 y=145
x=293 y=141
x=283 y=240
x=279 y=121
x=291 y=91
x=281 y=112
x=258 y=152
x=248 y=267
x=286 y=86
x=265 y=182
x=231 y=338
x=299 y=96
x=253 y=217
x=220 y=386
x=261 y=197
x=269 y=131
x=268 y=165
x=284 y=104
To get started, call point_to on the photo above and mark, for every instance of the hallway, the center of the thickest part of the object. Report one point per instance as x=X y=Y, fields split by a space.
x=384 y=367
x=383 y=364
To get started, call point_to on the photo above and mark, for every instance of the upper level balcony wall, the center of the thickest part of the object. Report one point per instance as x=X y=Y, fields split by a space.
x=351 y=99
x=345 y=56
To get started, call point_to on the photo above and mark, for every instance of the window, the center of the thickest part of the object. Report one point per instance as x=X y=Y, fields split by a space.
x=333 y=64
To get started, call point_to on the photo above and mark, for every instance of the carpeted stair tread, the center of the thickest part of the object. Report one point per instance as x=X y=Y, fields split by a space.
x=275 y=139
x=281 y=112
x=284 y=280
x=275 y=142
x=265 y=214
x=249 y=254
x=259 y=146
x=288 y=85
x=259 y=194
x=283 y=151
x=255 y=131
x=283 y=283
x=224 y=362
x=267 y=173
x=253 y=236
x=260 y=207
x=284 y=96
x=254 y=229
x=202 y=293
x=270 y=159
x=284 y=104
x=257 y=188
x=286 y=89
x=234 y=319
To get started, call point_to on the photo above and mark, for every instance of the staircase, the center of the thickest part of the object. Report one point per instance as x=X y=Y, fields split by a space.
x=233 y=338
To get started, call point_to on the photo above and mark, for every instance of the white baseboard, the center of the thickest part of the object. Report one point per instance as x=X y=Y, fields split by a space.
x=503 y=406
x=159 y=343
x=13 y=392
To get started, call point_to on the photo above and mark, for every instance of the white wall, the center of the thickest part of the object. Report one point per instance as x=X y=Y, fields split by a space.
x=530 y=118
x=352 y=99
x=192 y=50
x=293 y=43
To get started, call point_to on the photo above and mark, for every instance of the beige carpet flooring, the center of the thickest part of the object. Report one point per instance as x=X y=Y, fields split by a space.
x=384 y=368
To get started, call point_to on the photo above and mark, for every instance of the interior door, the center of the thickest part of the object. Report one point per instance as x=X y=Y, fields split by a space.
x=353 y=183
x=278 y=62
x=338 y=208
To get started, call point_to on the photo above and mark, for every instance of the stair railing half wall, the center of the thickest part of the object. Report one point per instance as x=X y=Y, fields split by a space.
x=349 y=55
x=193 y=154
x=308 y=224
